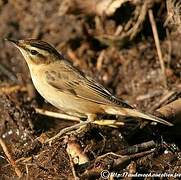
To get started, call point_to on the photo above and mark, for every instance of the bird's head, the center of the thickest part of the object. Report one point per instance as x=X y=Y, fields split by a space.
x=37 y=52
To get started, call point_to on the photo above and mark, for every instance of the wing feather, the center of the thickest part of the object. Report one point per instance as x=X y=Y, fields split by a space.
x=71 y=81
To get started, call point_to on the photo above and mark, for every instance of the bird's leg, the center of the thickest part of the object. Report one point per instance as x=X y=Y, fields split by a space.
x=67 y=129
x=80 y=126
x=83 y=128
x=91 y=117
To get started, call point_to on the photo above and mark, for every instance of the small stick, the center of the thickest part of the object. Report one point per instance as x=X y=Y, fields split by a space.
x=67 y=129
x=102 y=122
x=76 y=151
x=56 y=115
x=134 y=30
x=118 y=161
x=100 y=60
x=36 y=32
x=165 y=97
x=75 y=59
x=157 y=43
x=172 y=111
x=126 y=157
x=73 y=169
x=138 y=148
x=8 y=155
x=109 y=122
x=11 y=89
x=8 y=73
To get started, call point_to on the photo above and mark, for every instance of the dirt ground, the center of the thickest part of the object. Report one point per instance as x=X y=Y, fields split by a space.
x=115 y=43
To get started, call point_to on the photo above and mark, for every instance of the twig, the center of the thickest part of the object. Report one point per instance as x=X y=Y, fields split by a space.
x=75 y=59
x=71 y=128
x=149 y=95
x=100 y=60
x=135 y=29
x=136 y=155
x=172 y=110
x=11 y=89
x=132 y=167
x=8 y=73
x=121 y=159
x=73 y=169
x=102 y=122
x=169 y=47
x=165 y=97
x=56 y=115
x=157 y=43
x=67 y=129
x=76 y=151
x=12 y=162
x=36 y=32
x=31 y=90
x=118 y=161
x=109 y=122
x=138 y=148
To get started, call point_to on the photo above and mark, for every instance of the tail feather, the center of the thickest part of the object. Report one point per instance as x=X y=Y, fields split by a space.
x=135 y=113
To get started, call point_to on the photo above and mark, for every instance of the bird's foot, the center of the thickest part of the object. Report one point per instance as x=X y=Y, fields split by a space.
x=78 y=126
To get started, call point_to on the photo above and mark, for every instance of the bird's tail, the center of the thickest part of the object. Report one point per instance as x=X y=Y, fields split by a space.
x=134 y=113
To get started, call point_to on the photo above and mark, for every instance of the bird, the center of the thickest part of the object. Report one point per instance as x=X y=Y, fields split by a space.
x=69 y=89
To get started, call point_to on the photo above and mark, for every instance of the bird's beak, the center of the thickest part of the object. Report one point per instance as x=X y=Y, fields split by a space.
x=16 y=42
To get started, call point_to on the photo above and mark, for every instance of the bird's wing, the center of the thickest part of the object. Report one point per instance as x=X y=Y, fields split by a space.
x=69 y=80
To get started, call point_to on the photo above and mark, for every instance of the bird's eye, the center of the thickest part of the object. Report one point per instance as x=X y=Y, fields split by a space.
x=34 y=52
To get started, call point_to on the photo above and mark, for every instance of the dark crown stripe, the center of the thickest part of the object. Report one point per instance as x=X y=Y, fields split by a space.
x=45 y=46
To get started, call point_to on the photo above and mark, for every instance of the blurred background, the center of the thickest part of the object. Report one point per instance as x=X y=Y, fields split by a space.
x=117 y=42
